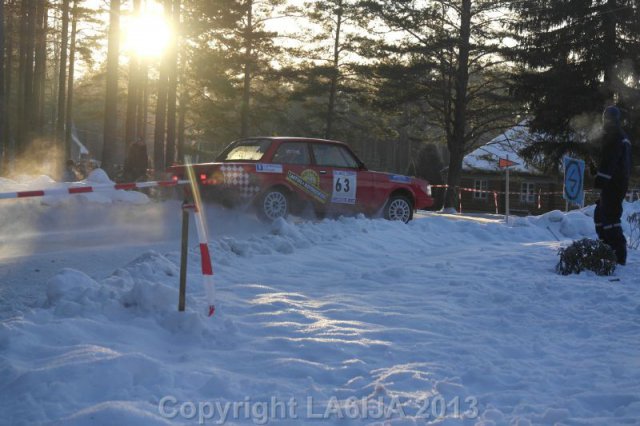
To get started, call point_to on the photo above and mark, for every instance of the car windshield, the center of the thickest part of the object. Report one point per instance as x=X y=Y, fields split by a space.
x=247 y=150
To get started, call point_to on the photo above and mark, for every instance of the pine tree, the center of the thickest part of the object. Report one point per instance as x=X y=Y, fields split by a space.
x=40 y=67
x=326 y=68
x=231 y=55
x=449 y=66
x=62 y=74
x=68 y=127
x=576 y=57
x=134 y=83
x=110 y=136
x=172 y=93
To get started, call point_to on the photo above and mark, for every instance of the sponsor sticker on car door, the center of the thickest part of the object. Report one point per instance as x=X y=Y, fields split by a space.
x=308 y=182
x=345 y=184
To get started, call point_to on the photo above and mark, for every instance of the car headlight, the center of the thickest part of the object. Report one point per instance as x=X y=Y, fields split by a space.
x=424 y=185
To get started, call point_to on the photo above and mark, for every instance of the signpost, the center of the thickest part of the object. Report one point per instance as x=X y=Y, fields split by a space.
x=573 y=191
x=505 y=163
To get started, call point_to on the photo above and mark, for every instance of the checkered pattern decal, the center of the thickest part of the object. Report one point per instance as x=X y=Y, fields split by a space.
x=237 y=176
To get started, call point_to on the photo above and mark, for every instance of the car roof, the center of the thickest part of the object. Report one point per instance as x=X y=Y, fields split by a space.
x=292 y=138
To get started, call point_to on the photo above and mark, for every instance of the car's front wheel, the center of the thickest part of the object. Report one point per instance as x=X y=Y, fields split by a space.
x=273 y=204
x=399 y=208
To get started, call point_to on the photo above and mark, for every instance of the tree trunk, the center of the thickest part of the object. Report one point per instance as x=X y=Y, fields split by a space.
x=184 y=100
x=62 y=75
x=610 y=51
x=7 y=87
x=173 y=88
x=456 y=143
x=335 y=74
x=131 y=131
x=160 y=124
x=3 y=116
x=40 y=71
x=110 y=143
x=182 y=114
x=141 y=100
x=29 y=70
x=246 y=90
x=72 y=61
x=161 y=119
x=22 y=76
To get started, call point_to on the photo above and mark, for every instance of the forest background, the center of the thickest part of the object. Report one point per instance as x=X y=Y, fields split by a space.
x=411 y=85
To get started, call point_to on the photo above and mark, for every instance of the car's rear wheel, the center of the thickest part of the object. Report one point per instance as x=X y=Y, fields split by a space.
x=399 y=208
x=273 y=204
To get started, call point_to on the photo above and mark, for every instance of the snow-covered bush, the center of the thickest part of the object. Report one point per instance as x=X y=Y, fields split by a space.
x=586 y=255
x=634 y=230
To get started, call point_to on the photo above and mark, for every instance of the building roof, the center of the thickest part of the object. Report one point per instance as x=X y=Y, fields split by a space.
x=505 y=146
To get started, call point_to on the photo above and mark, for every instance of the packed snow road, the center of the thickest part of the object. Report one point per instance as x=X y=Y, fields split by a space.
x=347 y=321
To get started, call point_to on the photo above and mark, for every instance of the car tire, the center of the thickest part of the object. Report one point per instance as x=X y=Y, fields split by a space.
x=399 y=207
x=273 y=204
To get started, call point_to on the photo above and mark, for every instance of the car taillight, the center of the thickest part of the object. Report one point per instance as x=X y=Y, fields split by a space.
x=203 y=177
x=174 y=178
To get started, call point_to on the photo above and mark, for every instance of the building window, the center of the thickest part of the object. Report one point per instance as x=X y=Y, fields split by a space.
x=480 y=185
x=527 y=192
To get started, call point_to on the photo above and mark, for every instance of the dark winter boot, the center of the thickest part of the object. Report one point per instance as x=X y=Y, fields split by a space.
x=621 y=254
x=615 y=238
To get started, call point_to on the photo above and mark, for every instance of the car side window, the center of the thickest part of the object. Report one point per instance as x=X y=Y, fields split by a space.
x=292 y=153
x=333 y=156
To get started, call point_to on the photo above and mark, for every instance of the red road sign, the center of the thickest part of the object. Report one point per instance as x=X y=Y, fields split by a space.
x=503 y=162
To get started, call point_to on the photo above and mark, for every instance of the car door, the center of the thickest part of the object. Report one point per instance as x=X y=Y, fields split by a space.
x=299 y=174
x=341 y=177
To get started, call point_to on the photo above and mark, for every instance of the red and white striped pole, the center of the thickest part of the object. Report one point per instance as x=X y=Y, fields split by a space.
x=205 y=260
x=207 y=268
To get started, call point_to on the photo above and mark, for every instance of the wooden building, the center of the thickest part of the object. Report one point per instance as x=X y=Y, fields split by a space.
x=531 y=191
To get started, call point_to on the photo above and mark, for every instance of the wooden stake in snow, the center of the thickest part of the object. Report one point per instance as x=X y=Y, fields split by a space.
x=505 y=163
x=184 y=250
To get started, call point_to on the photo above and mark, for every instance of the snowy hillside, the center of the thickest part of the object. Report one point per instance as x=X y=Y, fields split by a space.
x=446 y=320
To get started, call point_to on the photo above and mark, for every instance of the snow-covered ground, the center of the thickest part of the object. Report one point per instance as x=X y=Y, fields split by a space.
x=447 y=320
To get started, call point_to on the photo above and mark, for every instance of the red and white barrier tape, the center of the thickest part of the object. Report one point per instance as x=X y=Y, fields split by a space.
x=74 y=190
x=489 y=191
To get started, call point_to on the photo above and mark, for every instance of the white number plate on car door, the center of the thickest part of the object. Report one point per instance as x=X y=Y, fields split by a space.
x=344 y=187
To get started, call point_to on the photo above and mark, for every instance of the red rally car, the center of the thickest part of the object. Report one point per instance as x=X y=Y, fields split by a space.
x=279 y=175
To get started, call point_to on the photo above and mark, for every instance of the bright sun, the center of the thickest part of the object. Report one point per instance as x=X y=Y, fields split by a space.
x=148 y=34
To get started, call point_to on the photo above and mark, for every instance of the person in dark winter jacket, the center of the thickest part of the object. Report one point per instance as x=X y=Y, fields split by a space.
x=613 y=181
x=137 y=161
